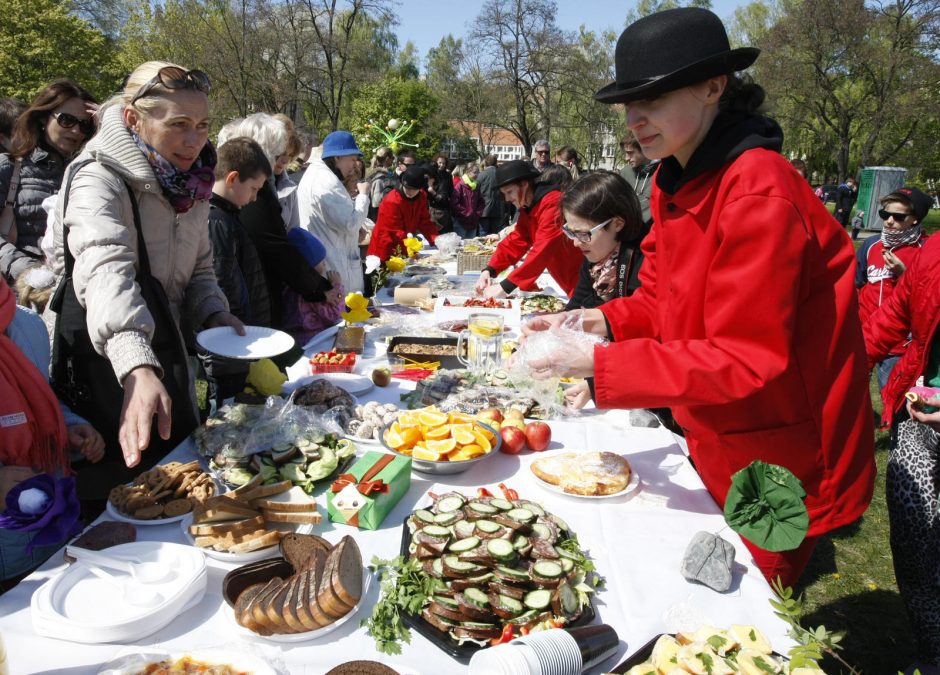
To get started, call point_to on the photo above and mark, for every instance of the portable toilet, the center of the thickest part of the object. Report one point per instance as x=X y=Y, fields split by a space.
x=875 y=183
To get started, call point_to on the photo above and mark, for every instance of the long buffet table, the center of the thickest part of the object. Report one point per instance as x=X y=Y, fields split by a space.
x=637 y=543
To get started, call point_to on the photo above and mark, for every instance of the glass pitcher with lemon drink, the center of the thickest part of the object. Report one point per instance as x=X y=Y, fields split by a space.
x=484 y=338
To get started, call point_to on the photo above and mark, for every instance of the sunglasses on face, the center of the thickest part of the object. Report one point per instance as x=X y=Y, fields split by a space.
x=171 y=77
x=583 y=236
x=898 y=217
x=541 y=152
x=67 y=121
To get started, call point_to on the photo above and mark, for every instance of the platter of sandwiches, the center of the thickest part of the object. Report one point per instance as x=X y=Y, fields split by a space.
x=246 y=524
x=308 y=592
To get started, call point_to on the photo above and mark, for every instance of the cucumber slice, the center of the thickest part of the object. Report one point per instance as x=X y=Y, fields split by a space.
x=500 y=549
x=567 y=564
x=520 y=542
x=477 y=625
x=501 y=504
x=480 y=507
x=509 y=604
x=488 y=526
x=570 y=603
x=412 y=547
x=547 y=569
x=436 y=531
x=566 y=554
x=511 y=573
x=458 y=565
x=542 y=531
x=447 y=518
x=447 y=602
x=537 y=599
x=476 y=597
x=438 y=566
x=462 y=545
x=531 y=506
x=424 y=516
x=521 y=515
x=448 y=504
x=463 y=529
x=559 y=522
x=482 y=579
x=525 y=617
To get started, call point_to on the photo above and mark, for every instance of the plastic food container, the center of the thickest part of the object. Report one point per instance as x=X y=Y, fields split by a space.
x=318 y=368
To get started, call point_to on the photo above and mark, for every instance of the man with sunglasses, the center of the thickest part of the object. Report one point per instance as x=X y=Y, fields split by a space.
x=882 y=259
x=542 y=155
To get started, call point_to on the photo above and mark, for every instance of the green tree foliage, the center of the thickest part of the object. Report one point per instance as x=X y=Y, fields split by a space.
x=396 y=98
x=41 y=41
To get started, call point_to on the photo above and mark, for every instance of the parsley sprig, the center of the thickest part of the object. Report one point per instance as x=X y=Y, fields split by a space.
x=581 y=561
x=405 y=587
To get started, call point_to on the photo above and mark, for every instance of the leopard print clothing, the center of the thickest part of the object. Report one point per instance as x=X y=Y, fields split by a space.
x=912 y=483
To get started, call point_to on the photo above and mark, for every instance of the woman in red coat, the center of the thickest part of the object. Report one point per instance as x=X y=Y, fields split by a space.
x=403 y=210
x=537 y=237
x=746 y=319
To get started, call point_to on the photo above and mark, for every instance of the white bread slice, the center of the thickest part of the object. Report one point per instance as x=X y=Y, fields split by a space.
x=311 y=518
x=228 y=527
x=294 y=499
x=264 y=540
x=263 y=491
x=221 y=508
x=224 y=542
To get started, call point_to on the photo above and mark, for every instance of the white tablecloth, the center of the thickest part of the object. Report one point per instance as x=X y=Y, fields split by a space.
x=637 y=544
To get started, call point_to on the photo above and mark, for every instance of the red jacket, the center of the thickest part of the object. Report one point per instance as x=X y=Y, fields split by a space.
x=913 y=308
x=746 y=325
x=538 y=237
x=875 y=283
x=397 y=217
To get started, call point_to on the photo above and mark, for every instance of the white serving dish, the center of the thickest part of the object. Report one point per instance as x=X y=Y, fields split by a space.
x=80 y=607
x=512 y=316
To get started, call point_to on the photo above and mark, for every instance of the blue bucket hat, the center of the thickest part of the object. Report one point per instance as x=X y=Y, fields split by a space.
x=339 y=144
x=311 y=248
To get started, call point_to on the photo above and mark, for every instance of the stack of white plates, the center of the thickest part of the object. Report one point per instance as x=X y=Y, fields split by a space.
x=80 y=606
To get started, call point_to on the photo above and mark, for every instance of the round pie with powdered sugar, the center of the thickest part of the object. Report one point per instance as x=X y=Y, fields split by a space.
x=584 y=473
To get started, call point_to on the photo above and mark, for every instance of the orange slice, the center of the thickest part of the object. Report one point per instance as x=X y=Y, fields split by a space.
x=442 y=446
x=394 y=439
x=465 y=453
x=410 y=436
x=463 y=434
x=408 y=419
x=482 y=440
x=459 y=418
x=431 y=418
x=424 y=453
x=442 y=431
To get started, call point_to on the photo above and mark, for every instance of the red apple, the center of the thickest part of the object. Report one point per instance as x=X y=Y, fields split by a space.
x=513 y=440
x=494 y=414
x=538 y=435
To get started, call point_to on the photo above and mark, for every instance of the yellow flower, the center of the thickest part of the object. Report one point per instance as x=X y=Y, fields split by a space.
x=872 y=587
x=357 y=308
x=265 y=377
x=356 y=301
x=395 y=264
x=413 y=245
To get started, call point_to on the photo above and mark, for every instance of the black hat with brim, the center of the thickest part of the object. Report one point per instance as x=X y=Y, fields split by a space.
x=515 y=171
x=669 y=50
x=415 y=177
x=918 y=202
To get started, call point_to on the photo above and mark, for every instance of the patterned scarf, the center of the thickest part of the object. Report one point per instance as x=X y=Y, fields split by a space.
x=604 y=275
x=182 y=188
x=893 y=239
x=32 y=430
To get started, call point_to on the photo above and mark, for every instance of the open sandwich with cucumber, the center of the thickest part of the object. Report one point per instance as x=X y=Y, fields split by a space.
x=507 y=567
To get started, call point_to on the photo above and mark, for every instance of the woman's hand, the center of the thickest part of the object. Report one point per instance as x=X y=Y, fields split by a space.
x=225 y=319
x=333 y=277
x=144 y=397
x=894 y=264
x=542 y=322
x=494 y=291
x=85 y=438
x=577 y=395
x=482 y=283
x=932 y=420
x=570 y=360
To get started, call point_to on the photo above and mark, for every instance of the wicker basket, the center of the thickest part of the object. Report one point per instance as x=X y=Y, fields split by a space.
x=472 y=262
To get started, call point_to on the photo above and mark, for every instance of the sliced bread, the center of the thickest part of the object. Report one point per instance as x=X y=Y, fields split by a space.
x=245 y=605
x=230 y=527
x=327 y=597
x=265 y=491
x=256 y=481
x=288 y=611
x=301 y=518
x=293 y=500
x=221 y=508
x=257 y=607
x=347 y=572
x=274 y=608
x=299 y=549
x=263 y=539
x=316 y=575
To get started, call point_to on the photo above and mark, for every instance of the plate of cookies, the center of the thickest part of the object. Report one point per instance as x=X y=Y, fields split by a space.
x=587 y=474
x=161 y=495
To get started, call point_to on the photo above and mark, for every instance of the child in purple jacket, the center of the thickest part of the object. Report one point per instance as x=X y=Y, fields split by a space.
x=304 y=319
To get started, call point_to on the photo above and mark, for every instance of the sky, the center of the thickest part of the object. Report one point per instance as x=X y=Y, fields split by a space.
x=425 y=22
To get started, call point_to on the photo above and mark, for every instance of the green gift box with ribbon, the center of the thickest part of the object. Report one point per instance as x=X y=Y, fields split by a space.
x=369 y=491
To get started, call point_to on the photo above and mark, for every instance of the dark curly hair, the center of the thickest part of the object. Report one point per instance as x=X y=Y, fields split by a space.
x=742 y=94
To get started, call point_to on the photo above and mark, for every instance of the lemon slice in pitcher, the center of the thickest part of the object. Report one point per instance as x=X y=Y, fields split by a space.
x=486 y=327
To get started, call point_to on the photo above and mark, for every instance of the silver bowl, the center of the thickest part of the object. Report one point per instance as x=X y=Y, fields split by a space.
x=445 y=467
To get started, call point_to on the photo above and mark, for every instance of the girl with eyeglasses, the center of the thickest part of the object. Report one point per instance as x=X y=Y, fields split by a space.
x=51 y=131
x=746 y=321
x=132 y=246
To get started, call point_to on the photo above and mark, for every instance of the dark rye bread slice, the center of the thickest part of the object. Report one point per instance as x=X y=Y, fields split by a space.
x=347 y=572
x=257 y=607
x=273 y=608
x=299 y=549
x=104 y=535
x=259 y=572
x=243 y=613
x=288 y=611
x=316 y=576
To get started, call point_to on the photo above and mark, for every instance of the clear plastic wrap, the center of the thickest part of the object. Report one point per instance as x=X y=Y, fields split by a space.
x=448 y=243
x=286 y=424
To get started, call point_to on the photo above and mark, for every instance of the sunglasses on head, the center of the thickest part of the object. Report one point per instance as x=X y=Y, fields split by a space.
x=898 y=217
x=584 y=236
x=174 y=78
x=67 y=121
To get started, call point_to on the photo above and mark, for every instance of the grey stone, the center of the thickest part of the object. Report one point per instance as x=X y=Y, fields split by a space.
x=708 y=560
x=640 y=417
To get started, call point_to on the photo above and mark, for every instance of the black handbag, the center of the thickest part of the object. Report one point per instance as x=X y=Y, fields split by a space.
x=85 y=380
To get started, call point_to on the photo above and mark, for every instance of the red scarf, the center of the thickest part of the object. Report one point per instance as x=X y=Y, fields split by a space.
x=32 y=429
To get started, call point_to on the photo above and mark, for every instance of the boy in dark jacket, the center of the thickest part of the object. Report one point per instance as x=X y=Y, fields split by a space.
x=241 y=171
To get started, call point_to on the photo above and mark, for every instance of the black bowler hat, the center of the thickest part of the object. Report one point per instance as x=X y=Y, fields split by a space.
x=669 y=50
x=415 y=177
x=514 y=171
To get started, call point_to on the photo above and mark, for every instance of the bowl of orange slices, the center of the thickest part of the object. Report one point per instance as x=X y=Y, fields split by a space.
x=440 y=442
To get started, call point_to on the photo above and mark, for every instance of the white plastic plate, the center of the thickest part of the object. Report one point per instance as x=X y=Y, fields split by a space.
x=258 y=342
x=632 y=488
